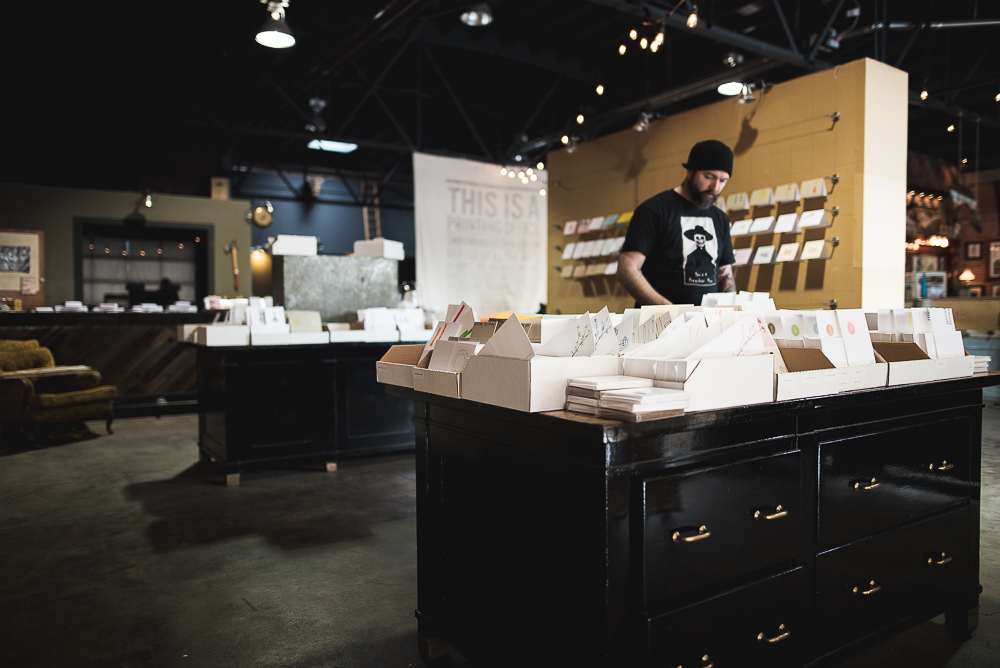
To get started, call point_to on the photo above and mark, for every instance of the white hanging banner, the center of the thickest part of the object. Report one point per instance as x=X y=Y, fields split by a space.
x=480 y=236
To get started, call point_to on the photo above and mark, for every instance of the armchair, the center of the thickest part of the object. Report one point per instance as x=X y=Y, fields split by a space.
x=33 y=402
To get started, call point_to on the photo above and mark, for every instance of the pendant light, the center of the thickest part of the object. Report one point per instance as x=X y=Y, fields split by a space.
x=275 y=32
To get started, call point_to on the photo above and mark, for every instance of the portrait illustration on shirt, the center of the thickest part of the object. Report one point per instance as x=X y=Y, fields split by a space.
x=701 y=250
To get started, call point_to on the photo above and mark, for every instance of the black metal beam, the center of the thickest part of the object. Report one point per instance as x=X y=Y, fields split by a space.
x=952 y=110
x=821 y=37
x=916 y=33
x=388 y=112
x=784 y=25
x=458 y=105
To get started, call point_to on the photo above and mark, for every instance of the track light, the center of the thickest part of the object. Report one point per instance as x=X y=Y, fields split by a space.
x=746 y=95
x=478 y=15
x=275 y=33
x=642 y=125
x=693 y=18
x=731 y=88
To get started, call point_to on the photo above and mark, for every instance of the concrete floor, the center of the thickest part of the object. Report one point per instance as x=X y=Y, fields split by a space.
x=124 y=551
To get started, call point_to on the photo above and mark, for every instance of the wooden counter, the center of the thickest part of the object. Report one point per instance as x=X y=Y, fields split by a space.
x=783 y=534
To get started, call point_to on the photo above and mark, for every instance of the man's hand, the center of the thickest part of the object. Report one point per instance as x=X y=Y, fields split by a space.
x=629 y=264
x=726 y=281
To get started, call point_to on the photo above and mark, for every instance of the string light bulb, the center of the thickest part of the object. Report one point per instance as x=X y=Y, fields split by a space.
x=633 y=34
x=923 y=95
x=524 y=180
x=579 y=119
x=600 y=89
x=643 y=42
x=693 y=18
x=998 y=97
x=542 y=192
x=533 y=177
x=951 y=128
x=621 y=49
x=520 y=175
x=529 y=171
x=510 y=174
x=540 y=165
x=654 y=47
x=564 y=139
x=659 y=38
x=503 y=171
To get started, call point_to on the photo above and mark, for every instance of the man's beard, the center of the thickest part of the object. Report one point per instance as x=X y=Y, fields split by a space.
x=702 y=200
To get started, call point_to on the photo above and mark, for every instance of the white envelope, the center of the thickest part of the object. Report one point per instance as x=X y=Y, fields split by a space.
x=576 y=340
x=762 y=224
x=742 y=256
x=740 y=227
x=787 y=193
x=762 y=197
x=814 y=218
x=764 y=255
x=813 y=250
x=786 y=223
x=814 y=188
x=737 y=202
x=787 y=252
x=579 y=250
x=611 y=269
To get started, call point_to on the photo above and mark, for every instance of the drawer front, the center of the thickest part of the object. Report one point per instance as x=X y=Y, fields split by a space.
x=916 y=471
x=879 y=580
x=708 y=526
x=757 y=625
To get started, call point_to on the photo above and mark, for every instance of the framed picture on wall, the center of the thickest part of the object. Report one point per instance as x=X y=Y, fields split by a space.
x=976 y=291
x=995 y=259
x=974 y=250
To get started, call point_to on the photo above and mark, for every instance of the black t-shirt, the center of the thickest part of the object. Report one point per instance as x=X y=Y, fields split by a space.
x=684 y=245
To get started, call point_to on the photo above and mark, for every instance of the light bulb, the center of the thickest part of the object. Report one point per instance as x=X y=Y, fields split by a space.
x=148 y=201
x=520 y=175
x=564 y=139
x=951 y=128
x=600 y=90
x=533 y=177
x=923 y=95
x=503 y=171
x=659 y=38
x=542 y=192
x=510 y=174
x=693 y=18
x=621 y=49
x=654 y=47
x=998 y=97
x=964 y=160
x=529 y=171
x=540 y=165
x=142 y=253
x=579 y=119
x=524 y=180
x=643 y=43
x=633 y=34
x=731 y=88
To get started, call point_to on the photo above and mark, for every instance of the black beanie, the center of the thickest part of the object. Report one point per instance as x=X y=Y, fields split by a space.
x=711 y=155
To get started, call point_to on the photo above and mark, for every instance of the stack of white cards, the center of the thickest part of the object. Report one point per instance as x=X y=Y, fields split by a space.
x=645 y=400
x=981 y=363
x=624 y=398
x=933 y=329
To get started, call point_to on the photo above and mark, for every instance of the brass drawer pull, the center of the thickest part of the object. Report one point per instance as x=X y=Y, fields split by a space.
x=778 y=512
x=867 y=592
x=944 y=560
x=943 y=467
x=702 y=534
x=865 y=485
x=778 y=638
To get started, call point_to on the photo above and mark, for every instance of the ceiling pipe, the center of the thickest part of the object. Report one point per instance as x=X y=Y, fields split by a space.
x=933 y=25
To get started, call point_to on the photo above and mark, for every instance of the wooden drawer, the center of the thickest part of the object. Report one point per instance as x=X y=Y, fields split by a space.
x=876 y=581
x=705 y=527
x=917 y=471
x=757 y=625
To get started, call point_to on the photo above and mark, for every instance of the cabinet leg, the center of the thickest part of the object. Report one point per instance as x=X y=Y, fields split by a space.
x=431 y=648
x=204 y=456
x=962 y=622
x=232 y=479
x=331 y=467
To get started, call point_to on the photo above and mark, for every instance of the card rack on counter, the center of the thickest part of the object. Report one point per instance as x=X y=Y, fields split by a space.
x=779 y=220
x=592 y=245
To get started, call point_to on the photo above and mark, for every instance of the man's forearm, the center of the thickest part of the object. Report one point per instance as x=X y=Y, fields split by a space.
x=726 y=281
x=637 y=285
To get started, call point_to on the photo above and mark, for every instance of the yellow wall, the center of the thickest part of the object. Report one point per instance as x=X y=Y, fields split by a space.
x=53 y=210
x=784 y=137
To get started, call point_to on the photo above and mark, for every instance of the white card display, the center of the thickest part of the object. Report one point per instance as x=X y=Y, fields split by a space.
x=762 y=197
x=857 y=341
x=786 y=223
x=793 y=324
x=834 y=350
x=740 y=227
x=576 y=340
x=813 y=250
x=624 y=334
x=604 y=333
x=814 y=188
x=827 y=325
x=452 y=355
x=608 y=246
x=568 y=251
x=764 y=255
x=737 y=202
x=570 y=227
x=611 y=269
x=579 y=250
x=814 y=218
x=787 y=193
x=762 y=224
x=774 y=324
x=787 y=253
x=742 y=256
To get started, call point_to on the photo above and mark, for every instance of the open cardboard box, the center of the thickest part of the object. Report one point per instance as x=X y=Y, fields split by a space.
x=909 y=364
x=397 y=365
x=807 y=372
x=222 y=335
x=711 y=380
x=445 y=383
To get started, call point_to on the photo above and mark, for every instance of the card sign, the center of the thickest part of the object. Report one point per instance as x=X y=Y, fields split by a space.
x=568 y=251
x=611 y=269
x=764 y=255
x=787 y=193
x=814 y=188
x=740 y=227
x=737 y=202
x=570 y=227
x=786 y=223
x=762 y=197
x=762 y=224
x=788 y=253
x=742 y=256
x=567 y=271
x=579 y=250
x=814 y=218
x=583 y=226
x=813 y=250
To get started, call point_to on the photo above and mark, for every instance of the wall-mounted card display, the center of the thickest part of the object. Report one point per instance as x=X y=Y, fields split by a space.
x=762 y=197
x=609 y=221
x=570 y=227
x=579 y=271
x=742 y=256
x=596 y=269
x=814 y=188
x=815 y=218
x=786 y=222
x=579 y=250
x=594 y=248
x=740 y=227
x=568 y=251
x=765 y=254
x=583 y=226
x=567 y=271
x=608 y=246
x=787 y=193
x=611 y=269
x=761 y=225
x=624 y=219
x=814 y=250
x=788 y=253
x=720 y=203
x=737 y=202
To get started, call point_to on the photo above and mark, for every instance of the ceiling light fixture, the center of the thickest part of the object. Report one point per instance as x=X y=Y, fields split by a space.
x=510 y=174
x=330 y=145
x=731 y=88
x=643 y=42
x=693 y=18
x=275 y=32
x=642 y=125
x=503 y=171
x=478 y=15
x=746 y=95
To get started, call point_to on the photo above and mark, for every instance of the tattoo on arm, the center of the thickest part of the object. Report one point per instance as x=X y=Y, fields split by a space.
x=726 y=281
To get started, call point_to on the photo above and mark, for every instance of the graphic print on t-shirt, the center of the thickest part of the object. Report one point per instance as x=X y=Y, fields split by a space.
x=701 y=249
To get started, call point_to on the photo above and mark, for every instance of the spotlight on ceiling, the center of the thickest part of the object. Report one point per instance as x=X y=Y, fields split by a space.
x=329 y=145
x=478 y=15
x=275 y=33
x=693 y=18
x=746 y=95
x=731 y=88
x=642 y=125
x=572 y=145
x=316 y=123
x=732 y=59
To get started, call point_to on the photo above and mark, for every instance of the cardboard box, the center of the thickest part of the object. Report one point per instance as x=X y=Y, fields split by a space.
x=368 y=335
x=807 y=372
x=711 y=381
x=532 y=385
x=396 y=366
x=380 y=247
x=292 y=244
x=909 y=364
x=445 y=383
x=223 y=335
x=288 y=338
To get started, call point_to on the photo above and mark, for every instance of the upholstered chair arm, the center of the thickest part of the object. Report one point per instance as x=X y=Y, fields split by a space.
x=85 y=380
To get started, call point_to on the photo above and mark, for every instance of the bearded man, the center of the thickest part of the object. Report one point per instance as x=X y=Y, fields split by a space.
x=678 y=248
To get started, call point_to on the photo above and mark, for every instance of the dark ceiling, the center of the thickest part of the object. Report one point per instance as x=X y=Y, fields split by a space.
x=164 y=95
